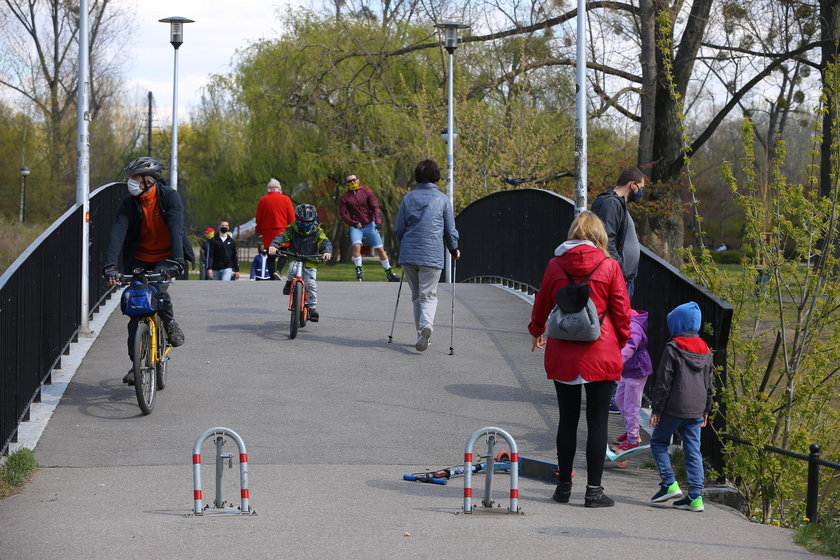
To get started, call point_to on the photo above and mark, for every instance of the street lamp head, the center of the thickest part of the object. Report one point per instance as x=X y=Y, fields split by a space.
x=444 y=134
x=450 y=34
x=176 y=29
x=24 y=171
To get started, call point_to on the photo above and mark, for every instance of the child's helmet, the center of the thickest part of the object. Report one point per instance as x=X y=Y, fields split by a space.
x=306 y=213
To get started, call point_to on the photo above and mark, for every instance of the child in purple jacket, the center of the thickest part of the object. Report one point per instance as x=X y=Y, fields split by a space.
x=631 y=386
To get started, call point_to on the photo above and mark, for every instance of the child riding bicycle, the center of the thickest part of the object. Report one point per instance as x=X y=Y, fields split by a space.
x=305 y=237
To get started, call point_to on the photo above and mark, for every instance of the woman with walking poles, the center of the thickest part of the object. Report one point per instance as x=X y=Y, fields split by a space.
x=583 y=261
x=425 y=224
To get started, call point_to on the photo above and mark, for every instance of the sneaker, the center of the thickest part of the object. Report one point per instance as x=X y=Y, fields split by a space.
x=621 y=438
x=666 y=493
x=129 y=377
x=423 y=340
x=313 y=314
x=614 y=408
x=563 y=492
x=595 y=497
x=626 y=445
x=360 y=273
x=389 y=273
x=287 y=289
x=276 y=276
x=176 y=335
x=690 y=504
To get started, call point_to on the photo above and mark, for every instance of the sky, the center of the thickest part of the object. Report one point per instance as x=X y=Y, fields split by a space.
x=220 y=28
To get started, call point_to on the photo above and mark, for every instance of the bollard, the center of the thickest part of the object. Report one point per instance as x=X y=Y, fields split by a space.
x=492 y=432
x=245 y=506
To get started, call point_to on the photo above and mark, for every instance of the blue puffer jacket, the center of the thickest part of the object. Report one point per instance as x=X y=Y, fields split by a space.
x=424 y=224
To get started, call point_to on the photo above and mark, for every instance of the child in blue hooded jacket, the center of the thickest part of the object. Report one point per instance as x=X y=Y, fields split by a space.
x=681 y=400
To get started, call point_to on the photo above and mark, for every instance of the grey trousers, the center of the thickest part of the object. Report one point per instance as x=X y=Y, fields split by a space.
x=423 y=281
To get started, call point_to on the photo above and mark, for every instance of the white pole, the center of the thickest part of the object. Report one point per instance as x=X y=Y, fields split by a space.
x=173 y=179
x=450 y=154
x=580 y=120
x=83 y=171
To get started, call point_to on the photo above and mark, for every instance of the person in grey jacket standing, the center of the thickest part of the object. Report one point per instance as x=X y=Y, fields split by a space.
x=425 y=226
x=611 y=207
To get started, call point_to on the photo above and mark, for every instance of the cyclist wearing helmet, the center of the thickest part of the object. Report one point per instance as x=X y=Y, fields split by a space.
x=148 y=229
x=305 y=236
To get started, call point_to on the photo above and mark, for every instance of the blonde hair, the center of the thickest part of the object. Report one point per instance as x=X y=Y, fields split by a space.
x=589 y=227
x=274 y=184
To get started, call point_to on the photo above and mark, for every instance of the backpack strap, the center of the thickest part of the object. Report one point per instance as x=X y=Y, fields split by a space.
x=585 y=278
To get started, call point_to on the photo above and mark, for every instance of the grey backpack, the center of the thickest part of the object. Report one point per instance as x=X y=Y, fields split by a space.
x=575 y=317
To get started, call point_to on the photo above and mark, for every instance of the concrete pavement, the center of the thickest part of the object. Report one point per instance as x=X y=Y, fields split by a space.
x=331 y=421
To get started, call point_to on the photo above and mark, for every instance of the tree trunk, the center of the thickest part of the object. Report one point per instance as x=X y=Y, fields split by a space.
x=664 y=234
x=647 y=99
x=830 y=30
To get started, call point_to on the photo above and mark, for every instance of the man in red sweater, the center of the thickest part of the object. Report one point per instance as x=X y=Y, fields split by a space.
x=275 y=212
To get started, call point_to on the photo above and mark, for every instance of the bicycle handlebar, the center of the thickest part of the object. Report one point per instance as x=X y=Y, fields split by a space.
x=151 y=277
x=299 y=257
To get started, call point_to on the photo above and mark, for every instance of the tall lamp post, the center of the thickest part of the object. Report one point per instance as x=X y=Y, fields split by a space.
x=450 y=43
x=176 y=38
x=24 y=171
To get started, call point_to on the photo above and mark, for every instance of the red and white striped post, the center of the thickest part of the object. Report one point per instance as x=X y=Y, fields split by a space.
x=514 y=469
x=245 y=506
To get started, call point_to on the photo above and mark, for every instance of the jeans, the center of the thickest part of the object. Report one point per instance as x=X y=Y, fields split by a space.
x=223 y=274
x=689 y=430
x=369 y=231
x=423 y=281
x=628 y=398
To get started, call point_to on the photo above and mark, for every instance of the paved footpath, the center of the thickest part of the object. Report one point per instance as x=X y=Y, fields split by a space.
x=331 y=421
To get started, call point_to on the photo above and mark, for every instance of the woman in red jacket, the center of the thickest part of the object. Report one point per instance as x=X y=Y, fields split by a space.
x=595 y=365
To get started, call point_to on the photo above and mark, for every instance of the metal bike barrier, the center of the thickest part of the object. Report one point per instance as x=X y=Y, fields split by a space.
x=218 y=502
x=487 y=502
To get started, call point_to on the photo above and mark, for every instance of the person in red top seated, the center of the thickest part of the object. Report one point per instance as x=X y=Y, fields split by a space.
x=149 y=232
x=594 y=365
x=275 y=212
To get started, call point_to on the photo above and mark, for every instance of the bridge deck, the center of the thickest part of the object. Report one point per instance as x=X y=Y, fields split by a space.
x=331 y=421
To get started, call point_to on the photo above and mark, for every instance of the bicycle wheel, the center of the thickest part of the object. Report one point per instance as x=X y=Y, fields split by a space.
x=297 y=304
x=160 y=366
x=145 y=379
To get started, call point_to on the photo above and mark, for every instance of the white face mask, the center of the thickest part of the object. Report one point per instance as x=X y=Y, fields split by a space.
x=134 y=187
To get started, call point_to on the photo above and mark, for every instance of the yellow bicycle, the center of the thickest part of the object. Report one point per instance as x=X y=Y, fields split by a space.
x=151 y=347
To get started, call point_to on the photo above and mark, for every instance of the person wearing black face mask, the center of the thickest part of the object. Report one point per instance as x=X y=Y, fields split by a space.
x=611 y=207
x=223 y=262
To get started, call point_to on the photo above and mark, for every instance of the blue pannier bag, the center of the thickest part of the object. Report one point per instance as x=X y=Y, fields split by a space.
x=139 y=300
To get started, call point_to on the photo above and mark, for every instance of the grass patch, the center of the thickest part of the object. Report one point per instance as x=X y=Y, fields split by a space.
x=329 y=272
x=822 y=538
x=17 y=469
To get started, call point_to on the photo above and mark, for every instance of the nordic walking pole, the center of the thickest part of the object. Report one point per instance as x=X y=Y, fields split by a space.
x=391 y=336
x=452 y=324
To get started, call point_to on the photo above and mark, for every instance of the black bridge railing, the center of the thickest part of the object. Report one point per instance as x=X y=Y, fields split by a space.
x=510 y=236
x=40 y=305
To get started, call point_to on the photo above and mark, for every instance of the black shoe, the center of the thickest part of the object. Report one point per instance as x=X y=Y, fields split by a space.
x=389 y=273
x=287 y=289
x=360 y=273
x=313 y=314
x=176 y=335
x=129 y=377
x=563 y=492
x=595 y=497
x=614 y=407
